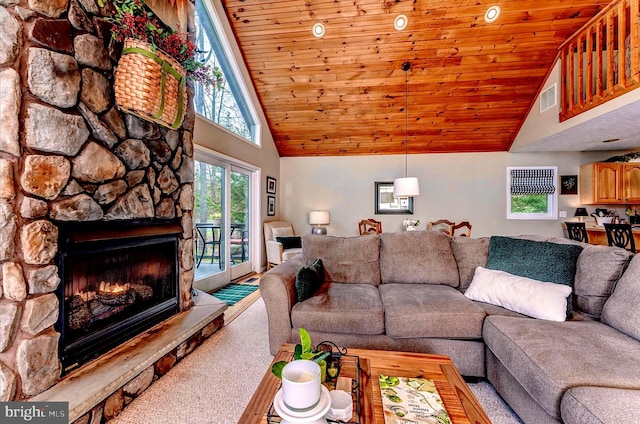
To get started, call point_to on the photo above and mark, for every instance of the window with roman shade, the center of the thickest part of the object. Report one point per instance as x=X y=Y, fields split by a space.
x=532 y=192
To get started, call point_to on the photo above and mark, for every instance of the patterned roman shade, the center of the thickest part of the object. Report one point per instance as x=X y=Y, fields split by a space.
x=532 y=181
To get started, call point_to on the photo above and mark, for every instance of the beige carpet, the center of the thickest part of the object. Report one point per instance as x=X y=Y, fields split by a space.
x=214 y=383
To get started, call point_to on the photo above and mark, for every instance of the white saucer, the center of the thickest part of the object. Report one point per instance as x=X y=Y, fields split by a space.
x=318 y=421
x=303 y=417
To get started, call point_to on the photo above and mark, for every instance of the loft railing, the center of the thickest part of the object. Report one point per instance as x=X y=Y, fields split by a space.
x=601 y=61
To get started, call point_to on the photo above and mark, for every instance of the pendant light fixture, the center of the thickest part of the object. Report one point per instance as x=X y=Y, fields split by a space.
x=407 y=186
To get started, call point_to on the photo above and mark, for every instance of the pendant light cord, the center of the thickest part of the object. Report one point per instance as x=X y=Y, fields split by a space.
x=405 y=68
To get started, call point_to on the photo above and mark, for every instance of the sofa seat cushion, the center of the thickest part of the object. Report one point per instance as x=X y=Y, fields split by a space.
x=419 y=257
x=548 y=357
x=353 y=260
x=490 y=309
x=599 y=405
x=341 y=308
x=621 y=310
x=425 y=310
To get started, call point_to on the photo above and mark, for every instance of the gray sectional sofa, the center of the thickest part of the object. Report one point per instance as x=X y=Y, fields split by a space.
x=405 y=291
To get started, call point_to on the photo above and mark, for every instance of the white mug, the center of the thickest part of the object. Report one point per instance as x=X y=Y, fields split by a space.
x=301 y=385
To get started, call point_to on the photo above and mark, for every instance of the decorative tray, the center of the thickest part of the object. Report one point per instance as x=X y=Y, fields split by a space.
x=348 y=366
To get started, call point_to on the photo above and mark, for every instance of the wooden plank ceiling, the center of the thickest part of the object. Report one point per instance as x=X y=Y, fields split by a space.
x=470 y=84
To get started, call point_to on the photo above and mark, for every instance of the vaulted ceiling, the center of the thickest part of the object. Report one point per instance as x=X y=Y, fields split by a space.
x=470 y=84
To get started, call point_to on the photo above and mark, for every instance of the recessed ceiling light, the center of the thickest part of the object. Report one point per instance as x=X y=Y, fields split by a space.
x=318 y=30
x=400 y=22
x=492 y=14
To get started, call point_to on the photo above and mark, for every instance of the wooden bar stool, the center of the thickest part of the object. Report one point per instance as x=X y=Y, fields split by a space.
x=577 y=231
x=620 y=235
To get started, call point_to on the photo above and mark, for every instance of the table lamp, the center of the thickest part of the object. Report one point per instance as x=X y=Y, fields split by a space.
x=318 y=219
x=581 y=213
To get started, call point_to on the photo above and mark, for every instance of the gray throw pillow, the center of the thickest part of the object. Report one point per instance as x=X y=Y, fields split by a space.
x=308 y=280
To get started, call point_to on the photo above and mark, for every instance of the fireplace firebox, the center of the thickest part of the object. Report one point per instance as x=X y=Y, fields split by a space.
x=118 y=280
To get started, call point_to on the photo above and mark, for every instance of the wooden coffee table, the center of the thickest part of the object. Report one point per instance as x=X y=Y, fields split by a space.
x=461 y=404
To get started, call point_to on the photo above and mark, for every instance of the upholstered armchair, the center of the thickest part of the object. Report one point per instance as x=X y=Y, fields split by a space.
x=286 y=248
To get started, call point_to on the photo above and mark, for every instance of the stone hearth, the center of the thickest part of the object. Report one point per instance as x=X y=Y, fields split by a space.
x=67 y=154
x=101 y=389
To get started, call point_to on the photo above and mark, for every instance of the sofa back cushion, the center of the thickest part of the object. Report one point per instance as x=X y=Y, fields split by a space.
x=345 y=259
x=598 y=270
x=421 y=257
x=621 y=311
x=469 y=253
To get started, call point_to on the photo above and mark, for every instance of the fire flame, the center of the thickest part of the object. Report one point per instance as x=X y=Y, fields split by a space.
x=113 y=287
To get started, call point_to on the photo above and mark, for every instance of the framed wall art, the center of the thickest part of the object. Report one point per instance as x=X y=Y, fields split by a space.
x=385 y=203
x=568 y=184
x=271 y=185
x=271 y=205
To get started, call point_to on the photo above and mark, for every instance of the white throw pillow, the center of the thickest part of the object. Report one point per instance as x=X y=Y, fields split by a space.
x=282 y=232
x=534 y=298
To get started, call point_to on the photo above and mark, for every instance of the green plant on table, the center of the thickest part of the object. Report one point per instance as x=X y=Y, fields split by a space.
x=303 y=350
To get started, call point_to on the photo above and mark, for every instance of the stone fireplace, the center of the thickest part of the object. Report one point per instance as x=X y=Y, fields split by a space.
x=69 y=160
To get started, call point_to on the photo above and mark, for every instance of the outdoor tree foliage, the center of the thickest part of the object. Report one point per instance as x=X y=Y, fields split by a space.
x=529 y=203
x=217 y=103
x=209 y=180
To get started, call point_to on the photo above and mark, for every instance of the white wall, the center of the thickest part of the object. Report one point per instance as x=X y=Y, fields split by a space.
x=456 y=186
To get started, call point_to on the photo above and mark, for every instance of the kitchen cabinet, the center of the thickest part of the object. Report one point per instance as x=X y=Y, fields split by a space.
x=607 y=183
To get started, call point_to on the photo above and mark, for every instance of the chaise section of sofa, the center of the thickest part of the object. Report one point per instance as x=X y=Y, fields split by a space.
x=537 y=365
x=546 y=358
x=599 y=405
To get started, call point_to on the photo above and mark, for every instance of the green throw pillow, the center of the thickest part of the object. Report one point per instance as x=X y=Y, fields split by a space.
x=309 y=279
x=289 y=242
x=538 y=260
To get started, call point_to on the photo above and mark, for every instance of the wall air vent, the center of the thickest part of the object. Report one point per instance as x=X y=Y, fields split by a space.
x=548 y=98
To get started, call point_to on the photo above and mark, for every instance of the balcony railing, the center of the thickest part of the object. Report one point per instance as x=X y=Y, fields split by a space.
x=601 y=61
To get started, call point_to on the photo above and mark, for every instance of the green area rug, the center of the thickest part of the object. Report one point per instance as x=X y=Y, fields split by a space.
x=233 y=293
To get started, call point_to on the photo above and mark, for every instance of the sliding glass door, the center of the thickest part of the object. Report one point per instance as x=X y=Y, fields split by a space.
x=222 y=221
x=240 y=222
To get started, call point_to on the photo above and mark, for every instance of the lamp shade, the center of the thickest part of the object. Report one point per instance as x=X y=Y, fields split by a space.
x=406 y=187
x=319 y=217
x=581 y=212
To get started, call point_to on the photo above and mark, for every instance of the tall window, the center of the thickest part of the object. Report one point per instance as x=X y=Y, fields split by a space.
x=227 y=106
x=532 y=192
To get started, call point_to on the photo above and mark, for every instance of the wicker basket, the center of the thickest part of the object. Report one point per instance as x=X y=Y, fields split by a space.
x=150 y=84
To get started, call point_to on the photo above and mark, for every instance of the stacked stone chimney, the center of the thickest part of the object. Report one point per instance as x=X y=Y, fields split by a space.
x=68 y=154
